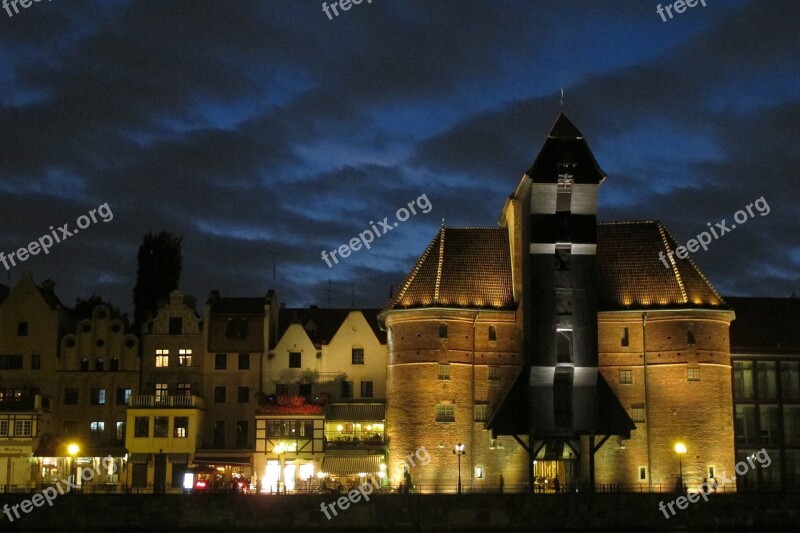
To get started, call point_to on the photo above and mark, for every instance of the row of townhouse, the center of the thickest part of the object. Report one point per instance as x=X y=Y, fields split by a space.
x=246 y=392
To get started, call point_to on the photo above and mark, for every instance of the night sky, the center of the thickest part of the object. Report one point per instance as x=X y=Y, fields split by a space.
x=264 y=129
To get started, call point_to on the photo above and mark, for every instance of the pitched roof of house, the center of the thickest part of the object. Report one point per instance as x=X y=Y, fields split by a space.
x=462 y=267
x=3 y=293
x=470 y=268
x=765 y=325
x=632 y=275
x=322 y=324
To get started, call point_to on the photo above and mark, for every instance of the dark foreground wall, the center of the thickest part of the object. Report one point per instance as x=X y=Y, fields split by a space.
x=468 y=512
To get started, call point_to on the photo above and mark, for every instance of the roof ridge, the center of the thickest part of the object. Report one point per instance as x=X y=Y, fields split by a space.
x=613 y=222
x=413 y=274
x=439 y=268
x=664 y=232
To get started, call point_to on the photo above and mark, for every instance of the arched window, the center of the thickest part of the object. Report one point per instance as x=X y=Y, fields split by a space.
x=85 y=364
x=114 y=364
x=442 y=331
x=99 y=364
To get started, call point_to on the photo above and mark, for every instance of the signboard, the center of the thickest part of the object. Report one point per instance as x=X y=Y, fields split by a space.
x=16 y=450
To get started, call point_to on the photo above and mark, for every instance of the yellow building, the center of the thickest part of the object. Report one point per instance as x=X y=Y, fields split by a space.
x=162 y=435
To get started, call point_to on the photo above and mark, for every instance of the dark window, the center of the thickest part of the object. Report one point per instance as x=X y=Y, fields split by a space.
x=219 y=433
x=36 y=361
x=366 y=389
x=492 y=334
x=85 y=364
x=124 y=396
x=306 y=428
x=690 y=336
x=241 y=434
x=282 y=389
x=347 y=389
x=98 y=397
x=178 y=472
x=175 y=325
x=71 y=396
x=184 y=389
x=10 y=362
x=114 y=364
x=563 y=258
x=445 y=412
x=141 y=426
x=562 y=399
x=494 y=373
x=161 y=426
x=442 y=331
x=237 y=328
x=139 y=476
x=220 y=361
x=219 y=394
x=358 y=356
x=294 y=360
x=22 y=329
x=70 y=428
x=564 y=346
x=244 y=361
x=624 y=340
x=243 y=395
x=99 y=364
x=305 y=389
x=181 y=427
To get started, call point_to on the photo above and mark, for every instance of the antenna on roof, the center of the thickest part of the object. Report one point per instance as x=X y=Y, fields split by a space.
x=562 y=98
x=273 y=270
x=352 y=296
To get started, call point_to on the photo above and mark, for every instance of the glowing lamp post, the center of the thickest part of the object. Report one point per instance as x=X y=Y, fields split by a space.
x=73 y=450
x=458 y=450
x=680 y=449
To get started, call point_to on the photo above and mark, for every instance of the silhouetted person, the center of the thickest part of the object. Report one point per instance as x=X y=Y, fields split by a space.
x=557 y=485
x=501 y=483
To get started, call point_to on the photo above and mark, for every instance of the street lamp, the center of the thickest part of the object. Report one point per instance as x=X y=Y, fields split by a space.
x=458 y=450
x=73 y=450
x=680 y=449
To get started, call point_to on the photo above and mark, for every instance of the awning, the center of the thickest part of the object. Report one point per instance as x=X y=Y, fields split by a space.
x=356 y=412
x=104 y=452
x=178 y=458
x=223 y=460
x=352 y=464
x=139 y=458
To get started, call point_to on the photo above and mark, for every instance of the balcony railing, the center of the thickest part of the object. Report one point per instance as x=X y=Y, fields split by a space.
x=167 y=401
x=26 y=402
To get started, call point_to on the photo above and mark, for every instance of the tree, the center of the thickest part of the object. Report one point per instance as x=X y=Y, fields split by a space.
x=83 y=308
x=159 y=270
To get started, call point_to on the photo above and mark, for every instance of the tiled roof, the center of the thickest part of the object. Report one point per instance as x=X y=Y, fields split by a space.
x=471 y=268
x=322 y=324
x=631 y=275
x=356 y=412
x=765 y=325
x=462 y=267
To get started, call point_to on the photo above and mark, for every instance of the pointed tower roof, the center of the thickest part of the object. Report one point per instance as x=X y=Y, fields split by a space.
x=565 y=145
x=564 y=129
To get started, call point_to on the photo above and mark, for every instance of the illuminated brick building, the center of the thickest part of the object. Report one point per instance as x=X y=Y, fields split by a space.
x=554 y=345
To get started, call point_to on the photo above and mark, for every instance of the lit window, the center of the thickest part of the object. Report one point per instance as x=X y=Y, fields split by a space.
x=124 y=396
x=97 y=427
x=480 y=412
x=358 y=356
x=626 y=377
x=162 y=358
x=445 y=412
x=444 y=371
x=478 y=472
x=181 y=427
x=184 y=358
x=162 y=391
x=98 y=397
x=564 y=346
x=120 y=430
x=494 y=373
x=693 y=374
